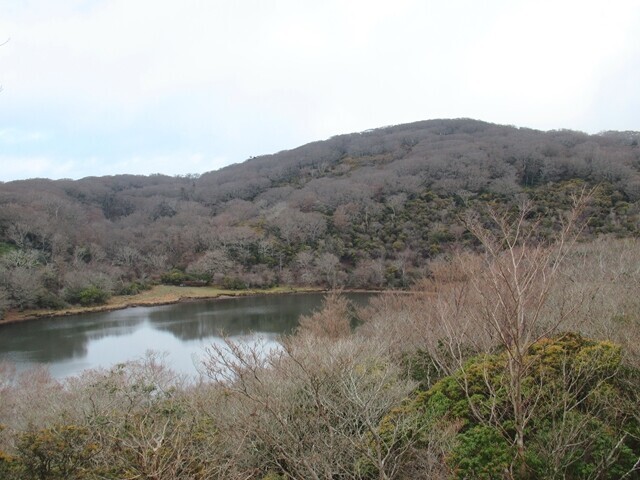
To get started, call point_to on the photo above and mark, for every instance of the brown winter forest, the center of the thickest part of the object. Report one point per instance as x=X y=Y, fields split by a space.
x=508 y=347
x=364 y=210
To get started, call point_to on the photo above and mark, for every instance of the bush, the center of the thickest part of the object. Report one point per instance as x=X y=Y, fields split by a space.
x=483 y=453
x=174 y=277
x=92 y=295
x=233 y=283
x=50 y=300
x=7 y=463
x=583 y=423
x=180 y=278
x=422 y=368
x=132 y=288
x=7 y=466
x=6 y=248
x=62 y=452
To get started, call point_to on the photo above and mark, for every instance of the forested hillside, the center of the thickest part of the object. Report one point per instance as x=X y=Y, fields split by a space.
x=515 y=354
x=368 y=209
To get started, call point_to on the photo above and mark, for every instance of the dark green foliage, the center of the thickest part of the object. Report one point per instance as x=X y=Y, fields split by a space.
x=8 y=464
x=6 y=248
x=60 y=453
x=233 y=283
x=92 y=295
x=163 y=209
x=599 y=446
x=8 y=467
x=583 y=422
x=175 y=277
x=49 y=300
x=115 y=207
x=180 y=278
x=481 y=453
x=132 y=288
x=422 y=368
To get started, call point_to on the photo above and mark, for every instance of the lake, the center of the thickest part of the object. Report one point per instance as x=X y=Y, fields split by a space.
x=68 y=345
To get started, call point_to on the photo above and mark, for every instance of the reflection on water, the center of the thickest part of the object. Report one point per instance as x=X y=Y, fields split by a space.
x=69 y=345
x=266 y=314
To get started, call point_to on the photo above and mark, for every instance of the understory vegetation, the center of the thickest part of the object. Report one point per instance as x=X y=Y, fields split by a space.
x=517 y=360
x=364 y=210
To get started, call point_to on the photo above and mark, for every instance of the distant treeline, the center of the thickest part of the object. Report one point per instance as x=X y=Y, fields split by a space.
x=369 y=209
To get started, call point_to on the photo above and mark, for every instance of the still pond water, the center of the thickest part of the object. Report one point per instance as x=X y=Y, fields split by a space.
x=68 y=345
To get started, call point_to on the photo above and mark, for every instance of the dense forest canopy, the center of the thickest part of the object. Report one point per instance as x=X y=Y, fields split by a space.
x=367 y=209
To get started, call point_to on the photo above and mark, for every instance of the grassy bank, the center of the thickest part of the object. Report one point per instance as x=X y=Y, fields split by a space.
x=157 y=295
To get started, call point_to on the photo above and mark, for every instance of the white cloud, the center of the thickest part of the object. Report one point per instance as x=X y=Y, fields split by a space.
x=175 y=163
x=232 y=79
x=543 y=62
x=169 y=164
x=23 y=167
x=11 y=136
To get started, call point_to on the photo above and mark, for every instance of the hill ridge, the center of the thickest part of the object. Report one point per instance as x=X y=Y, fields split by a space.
x=367 y=209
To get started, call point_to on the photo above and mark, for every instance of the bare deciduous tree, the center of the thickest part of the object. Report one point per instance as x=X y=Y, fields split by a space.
x=312 y=408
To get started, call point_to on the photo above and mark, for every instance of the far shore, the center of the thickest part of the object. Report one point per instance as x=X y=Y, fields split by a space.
x=160 y=295
x=157 y=295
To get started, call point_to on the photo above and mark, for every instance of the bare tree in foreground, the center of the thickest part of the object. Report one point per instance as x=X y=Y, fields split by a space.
x=312 y=408
x=508 y=300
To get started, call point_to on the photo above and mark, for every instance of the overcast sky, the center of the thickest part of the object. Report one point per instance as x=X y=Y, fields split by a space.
x=103 y=87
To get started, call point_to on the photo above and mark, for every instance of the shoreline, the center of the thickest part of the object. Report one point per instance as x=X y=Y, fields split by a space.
x=157 y=296
x=160 y=295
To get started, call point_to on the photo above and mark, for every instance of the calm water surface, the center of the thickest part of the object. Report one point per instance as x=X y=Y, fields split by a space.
x=68 y=345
